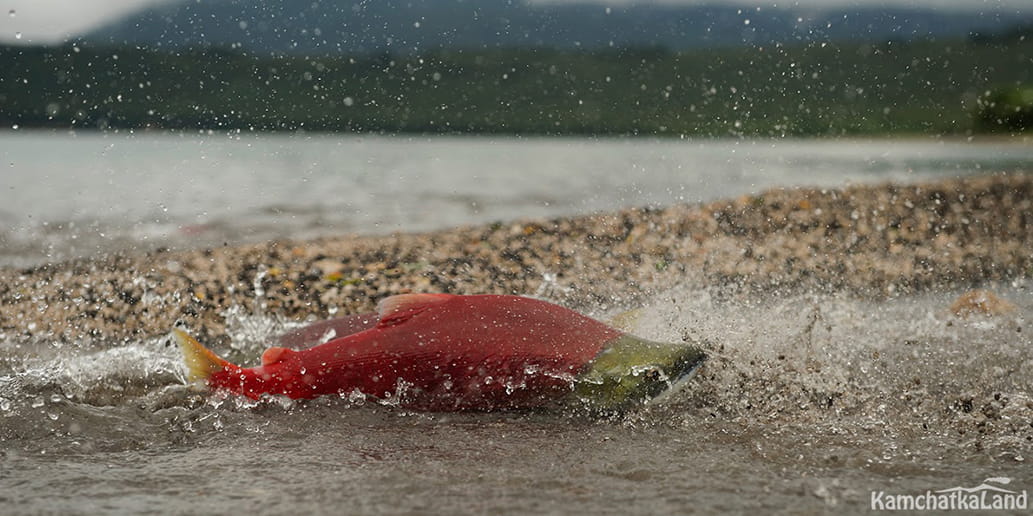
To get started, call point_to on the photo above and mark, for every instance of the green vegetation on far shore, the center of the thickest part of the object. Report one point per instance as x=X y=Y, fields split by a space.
x=825 y=89
x=1007 y=109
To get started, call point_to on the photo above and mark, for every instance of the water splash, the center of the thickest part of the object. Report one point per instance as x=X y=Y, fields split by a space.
x=906 y=365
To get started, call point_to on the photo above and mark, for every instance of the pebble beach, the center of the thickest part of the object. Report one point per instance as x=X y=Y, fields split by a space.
x=872 y=241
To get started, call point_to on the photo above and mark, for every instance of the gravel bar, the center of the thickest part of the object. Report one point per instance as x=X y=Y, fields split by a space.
x=871 y=240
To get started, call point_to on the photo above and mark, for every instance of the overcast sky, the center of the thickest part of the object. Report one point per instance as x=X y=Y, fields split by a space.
x=49 y=21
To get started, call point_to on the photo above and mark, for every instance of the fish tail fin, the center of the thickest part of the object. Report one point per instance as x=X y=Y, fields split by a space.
x=201 y=362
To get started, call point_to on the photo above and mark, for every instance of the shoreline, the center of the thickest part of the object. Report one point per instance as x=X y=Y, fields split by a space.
x=870 y=240
x=1017 y=138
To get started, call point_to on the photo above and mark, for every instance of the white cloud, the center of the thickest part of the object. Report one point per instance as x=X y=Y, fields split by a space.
x=51 y=21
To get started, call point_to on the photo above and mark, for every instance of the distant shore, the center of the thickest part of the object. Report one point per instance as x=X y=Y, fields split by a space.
x=873 y=89
x=879 y=240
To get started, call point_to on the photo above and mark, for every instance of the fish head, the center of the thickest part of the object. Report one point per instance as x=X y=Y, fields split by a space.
x=631 y=371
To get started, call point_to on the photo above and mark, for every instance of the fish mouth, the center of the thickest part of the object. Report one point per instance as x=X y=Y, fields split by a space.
x=631 y=371
x=685 y=371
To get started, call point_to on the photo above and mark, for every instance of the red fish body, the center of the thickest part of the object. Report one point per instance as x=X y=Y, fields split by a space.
x=431 y=352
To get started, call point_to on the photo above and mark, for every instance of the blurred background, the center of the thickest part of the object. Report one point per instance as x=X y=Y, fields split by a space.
x=129 y=123
x=818 y=67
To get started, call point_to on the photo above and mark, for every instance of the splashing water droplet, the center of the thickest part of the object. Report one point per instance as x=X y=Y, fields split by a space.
x=17 y=35
x=11 y=13
x=356 y=397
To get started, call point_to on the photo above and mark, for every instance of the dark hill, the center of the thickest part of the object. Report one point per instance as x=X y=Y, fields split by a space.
x=413 y=26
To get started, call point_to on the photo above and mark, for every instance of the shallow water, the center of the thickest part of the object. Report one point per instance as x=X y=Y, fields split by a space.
x=68 y=195
x=807 y=404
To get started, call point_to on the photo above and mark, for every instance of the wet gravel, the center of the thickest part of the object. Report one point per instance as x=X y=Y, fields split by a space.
x=878 y=241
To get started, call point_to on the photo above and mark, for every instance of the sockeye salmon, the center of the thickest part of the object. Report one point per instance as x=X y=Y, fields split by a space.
x=442 y=352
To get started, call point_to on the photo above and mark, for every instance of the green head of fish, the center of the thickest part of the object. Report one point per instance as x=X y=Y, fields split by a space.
x=631 y=371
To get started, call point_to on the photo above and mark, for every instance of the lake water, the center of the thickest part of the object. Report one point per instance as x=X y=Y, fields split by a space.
x=81 y=194
x=809 y=403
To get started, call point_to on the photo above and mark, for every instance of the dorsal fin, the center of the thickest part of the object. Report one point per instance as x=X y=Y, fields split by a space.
x=275 y=354
x=399 y=308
